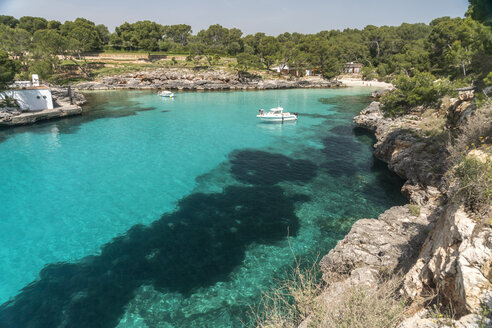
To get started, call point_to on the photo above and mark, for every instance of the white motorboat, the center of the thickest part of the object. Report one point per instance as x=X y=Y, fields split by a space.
x=276 y=115
x=165 y=93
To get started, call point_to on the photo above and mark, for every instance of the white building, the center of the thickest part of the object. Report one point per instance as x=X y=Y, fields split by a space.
x=30 y=96
x=287 y=70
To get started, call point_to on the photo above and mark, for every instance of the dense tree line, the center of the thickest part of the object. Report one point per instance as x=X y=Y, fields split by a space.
x=457 y=48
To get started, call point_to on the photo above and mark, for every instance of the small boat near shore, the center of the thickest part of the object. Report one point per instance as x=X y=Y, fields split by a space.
x=276 y=115
x=165 y=93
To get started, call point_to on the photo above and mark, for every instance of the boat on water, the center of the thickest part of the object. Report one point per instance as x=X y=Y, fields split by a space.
x=165 y=93
x=276 y=115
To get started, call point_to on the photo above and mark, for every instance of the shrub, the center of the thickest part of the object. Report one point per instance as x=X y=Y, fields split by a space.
x=299 y=298
x=368 y=73
x=9 y=102
x=362 y=307
x=414 y=209
x=474 y=183
x=470 y=163
x=433 y=123
x=473 y=134
x=41 y=67
x=292 y=300
x=418 y=90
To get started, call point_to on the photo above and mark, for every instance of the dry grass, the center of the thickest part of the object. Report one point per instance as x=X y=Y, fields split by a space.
x=472 y=135
x=470 y=176
x=414 y=209
x=292 y=300
x=300 y=297
x=433 y=123
x=362 y=307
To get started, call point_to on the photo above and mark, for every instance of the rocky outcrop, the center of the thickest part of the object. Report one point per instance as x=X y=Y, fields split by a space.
x=439 y=248
x=379 y=93
x=61 y=97
x=388 y=244
x=413 y=158
x=456 y=262
x=187 y=79
x=460 y=108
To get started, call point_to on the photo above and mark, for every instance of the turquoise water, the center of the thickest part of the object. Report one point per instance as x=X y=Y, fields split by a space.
x=152 y=212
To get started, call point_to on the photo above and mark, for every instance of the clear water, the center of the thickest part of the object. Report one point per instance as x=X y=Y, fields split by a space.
x=156 y=212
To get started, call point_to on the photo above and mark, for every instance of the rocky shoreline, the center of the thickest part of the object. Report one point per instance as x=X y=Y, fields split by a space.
x=187 y=79
x=437 y=247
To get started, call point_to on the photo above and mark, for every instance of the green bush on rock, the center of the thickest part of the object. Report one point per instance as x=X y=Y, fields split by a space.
x=422 y=89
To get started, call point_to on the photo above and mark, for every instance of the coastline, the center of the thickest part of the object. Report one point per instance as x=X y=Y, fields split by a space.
x=188 y=79
x=432 y=245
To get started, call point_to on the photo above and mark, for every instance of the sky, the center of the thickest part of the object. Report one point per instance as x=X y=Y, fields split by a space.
x=269 y=16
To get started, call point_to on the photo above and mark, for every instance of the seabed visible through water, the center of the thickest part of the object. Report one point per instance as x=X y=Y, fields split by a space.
x=156 y=212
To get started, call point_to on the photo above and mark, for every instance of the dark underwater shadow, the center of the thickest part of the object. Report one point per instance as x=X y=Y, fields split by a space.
x=196 y=246
x=263 y=168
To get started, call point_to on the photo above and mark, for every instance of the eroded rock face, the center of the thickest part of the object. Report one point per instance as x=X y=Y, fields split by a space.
x=442 y=250
x=387 y=244
x=61 y=98
x=411 y=157
x=460 y=108
x=456 y=262
x=186 y=79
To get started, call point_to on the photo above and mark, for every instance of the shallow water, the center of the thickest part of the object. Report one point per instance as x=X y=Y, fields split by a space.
x=156 y=212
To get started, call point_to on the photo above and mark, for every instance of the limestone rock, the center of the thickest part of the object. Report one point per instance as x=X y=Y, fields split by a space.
x=187 y=79
x=60 y=97
x=370 y=117
x=389 y=243
x=379 y=93
x=455 y=259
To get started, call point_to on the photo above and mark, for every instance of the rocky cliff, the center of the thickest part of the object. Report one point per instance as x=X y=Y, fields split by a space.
x=443 y=252
x=188 y=79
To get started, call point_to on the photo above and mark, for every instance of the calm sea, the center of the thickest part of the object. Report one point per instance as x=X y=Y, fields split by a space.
x=157 y=212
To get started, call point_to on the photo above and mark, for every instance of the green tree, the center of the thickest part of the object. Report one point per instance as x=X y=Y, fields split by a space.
x=32 y=24
x=480 y=10
x=103 y=33
x=178 y=33
x=54 y=25
x=83 y=36
x=452 y=44
x=10 y=21
x=16 y=42
x=268 y=50
x=8 y=69
x=251 y=42
x=46 y=46
x=246 y=61
x=420 y=90
x=147 y=35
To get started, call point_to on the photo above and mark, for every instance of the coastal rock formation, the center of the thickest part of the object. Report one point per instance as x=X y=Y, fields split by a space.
x=456 y=262
x=61 y=98
x=439 y=248
x=460 y=108
x=387 y=244
x=187 y=79
x=379 y=93
x=412 y=158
